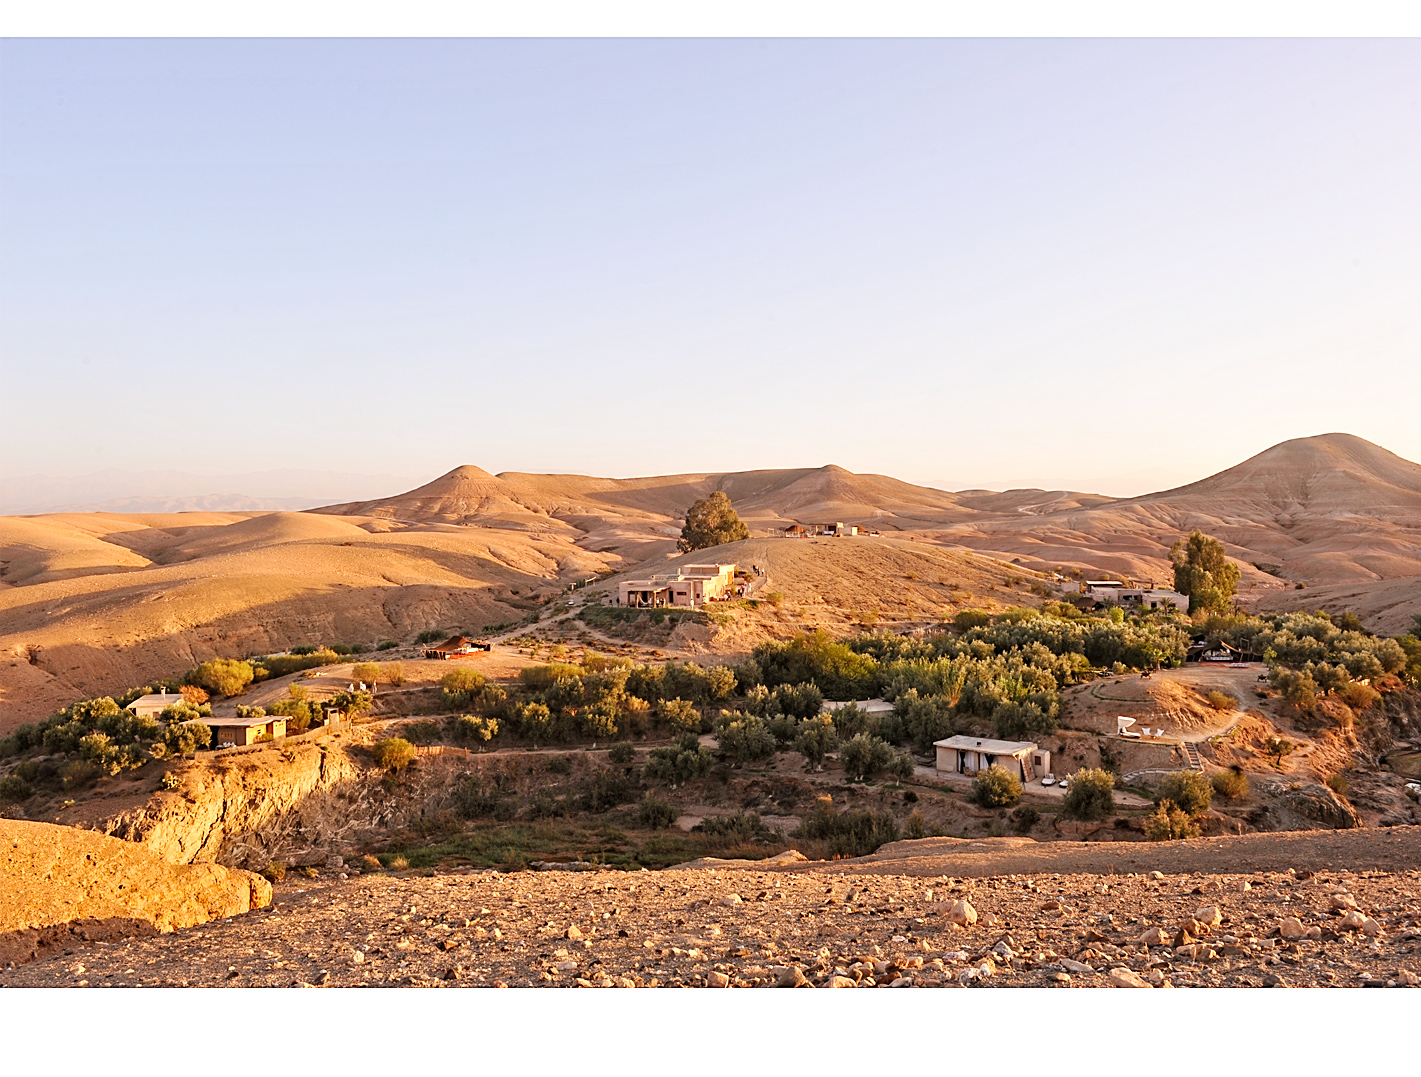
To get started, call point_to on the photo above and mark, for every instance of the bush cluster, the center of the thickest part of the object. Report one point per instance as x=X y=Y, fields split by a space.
x=849 y=833
x=996 y=787
x=679 y=763
x=1091 y=794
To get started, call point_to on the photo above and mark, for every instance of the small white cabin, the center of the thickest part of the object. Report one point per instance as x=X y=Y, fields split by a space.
x=968 y=755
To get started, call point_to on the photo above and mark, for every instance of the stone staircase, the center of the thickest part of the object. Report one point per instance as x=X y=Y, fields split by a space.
x=1191 y=753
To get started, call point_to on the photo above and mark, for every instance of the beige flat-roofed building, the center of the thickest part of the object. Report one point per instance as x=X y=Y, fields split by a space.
x=154 y=704
x=968 y=755
x=236 y=732
x=693 y=586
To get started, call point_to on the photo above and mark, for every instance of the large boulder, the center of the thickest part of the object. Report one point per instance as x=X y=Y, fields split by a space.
x=59 y=885
x=1322 y=805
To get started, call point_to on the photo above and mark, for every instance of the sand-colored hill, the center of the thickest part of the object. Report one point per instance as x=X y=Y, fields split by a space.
x=230 y=587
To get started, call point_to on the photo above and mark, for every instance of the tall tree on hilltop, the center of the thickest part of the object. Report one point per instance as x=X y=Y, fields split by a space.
x=710 y=522
x=1202 y=572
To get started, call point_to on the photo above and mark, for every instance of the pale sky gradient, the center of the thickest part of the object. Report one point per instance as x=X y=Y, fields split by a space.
x=1113 y=266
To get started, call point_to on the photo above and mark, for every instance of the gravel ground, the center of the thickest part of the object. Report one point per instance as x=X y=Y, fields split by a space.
x=747 y=928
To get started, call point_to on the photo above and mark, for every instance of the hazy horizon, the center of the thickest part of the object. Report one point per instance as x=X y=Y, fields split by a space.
x=1106 y=266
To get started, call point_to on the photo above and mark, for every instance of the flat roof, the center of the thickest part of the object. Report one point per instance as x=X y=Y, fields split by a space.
x=984 y=744
x=218 y=723
x=872 y=706
x=154 y=698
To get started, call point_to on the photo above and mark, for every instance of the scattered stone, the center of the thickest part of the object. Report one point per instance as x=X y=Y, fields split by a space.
x=1059 y=977
x=1354 y=920
x=1272 y=979
x=1209 y=915
x=572 y=933
x=717 y=979
x=962 y=913
x=839 y=981
x=730 y=899
x=788 y=976
x=1155 y=936
x=1292 y=928
x=1342 y=902
x=1371 y=928
x=1074 y=966
x=1123 y=977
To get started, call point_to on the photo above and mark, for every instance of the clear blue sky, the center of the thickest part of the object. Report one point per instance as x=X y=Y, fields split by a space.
x=1101 y=265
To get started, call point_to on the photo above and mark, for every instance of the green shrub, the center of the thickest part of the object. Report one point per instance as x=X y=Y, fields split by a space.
x=850 y=833
x=902 y=767
x=862 y=756
x=816 y=738
x=475 y=729
x=558 y=764
x=423 y=732
x=1188 y=790
x=622 y=752
x=368 y=672
x=461 y=686
x=1231 y=784
x=386 y=645
x=475 y=798
x=818 y=659
x=1170 y=823
x=354 y=703
x=743 y=827
x=744 y=738
x=605 y=790
x=1090 y=795
x=657 y=814
x=1278 y=747
x=852 y=720
x=394 y=754
x=430 y=635
x=1221 y=701
x=181 y=738
x=995 y=787
x=969 y=619
x=300 y=658
x=275 y=870
x=916 y=827
x=1024 y=818
x=682 y=762
x=226 y=676
x=1338 y=784
x=15 y=789
x=679 y=714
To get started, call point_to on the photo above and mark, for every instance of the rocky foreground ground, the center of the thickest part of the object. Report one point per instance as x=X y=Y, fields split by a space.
x=802 y=925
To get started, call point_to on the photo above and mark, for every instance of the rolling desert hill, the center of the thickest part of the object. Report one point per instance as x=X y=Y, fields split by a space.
x=97 y=602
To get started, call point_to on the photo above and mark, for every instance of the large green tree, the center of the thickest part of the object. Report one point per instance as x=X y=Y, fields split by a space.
x=1202 y=572
x=711 y=521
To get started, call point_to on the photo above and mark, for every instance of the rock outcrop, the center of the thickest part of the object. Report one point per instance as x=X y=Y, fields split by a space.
x=59 y=884
x=298 y=803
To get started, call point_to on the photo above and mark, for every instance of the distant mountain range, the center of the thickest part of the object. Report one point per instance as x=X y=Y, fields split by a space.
x=115 y=490
x=1331 y=509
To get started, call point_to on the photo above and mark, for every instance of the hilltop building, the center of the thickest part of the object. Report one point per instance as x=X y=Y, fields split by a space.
x=693 y=586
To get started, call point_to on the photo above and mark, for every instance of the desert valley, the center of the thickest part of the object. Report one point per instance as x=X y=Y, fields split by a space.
x=416 y=728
